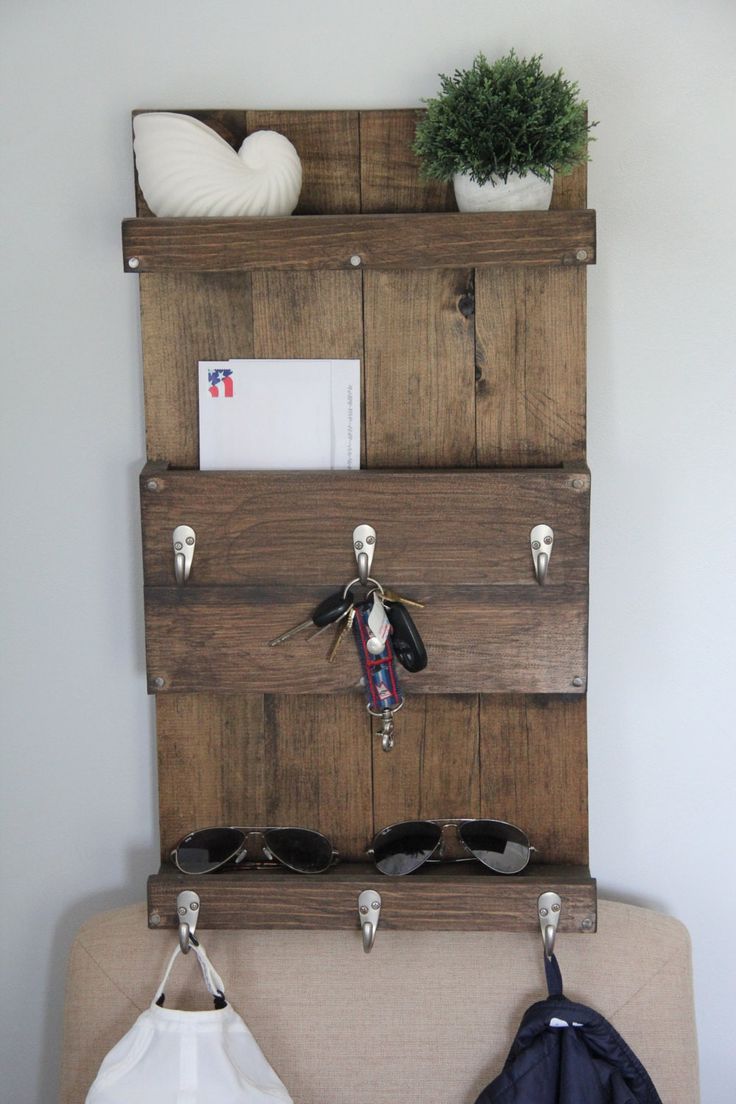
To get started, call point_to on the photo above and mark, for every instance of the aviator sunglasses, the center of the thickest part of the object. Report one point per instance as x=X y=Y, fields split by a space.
x=210 y=849
x=404 y=847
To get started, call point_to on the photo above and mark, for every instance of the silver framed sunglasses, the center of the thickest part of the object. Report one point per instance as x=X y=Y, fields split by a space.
x=206 y=850
x=403 y=847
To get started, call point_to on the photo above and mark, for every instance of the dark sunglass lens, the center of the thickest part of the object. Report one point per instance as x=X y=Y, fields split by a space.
x=300 y=848
x=404 y=847
x=501 y=847
x=201 y=852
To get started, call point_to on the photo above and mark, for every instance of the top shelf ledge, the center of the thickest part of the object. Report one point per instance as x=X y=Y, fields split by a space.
x=386 y=241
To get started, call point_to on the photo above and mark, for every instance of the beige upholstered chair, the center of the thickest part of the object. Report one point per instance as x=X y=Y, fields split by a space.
x=426 y=1018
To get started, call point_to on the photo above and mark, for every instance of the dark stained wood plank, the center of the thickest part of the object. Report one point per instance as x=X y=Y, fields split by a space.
x=419 y=411
x=318 y=751
x=488 y=639
x=445 y=897
x=433 y=769
x=230 y=759
x=534 y=771
x=185 y=318
x=570 y=192
x=403 y=241
x=389 y=170
x=530 y=349
x=210 y=757
x=307 y=314
x=253 y=527
x=328 y=146
x=419 y=370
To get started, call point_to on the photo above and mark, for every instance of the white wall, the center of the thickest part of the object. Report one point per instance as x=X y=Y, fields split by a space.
x=78 y=762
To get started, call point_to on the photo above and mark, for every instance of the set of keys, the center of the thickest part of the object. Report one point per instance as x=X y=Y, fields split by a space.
x=383 y=630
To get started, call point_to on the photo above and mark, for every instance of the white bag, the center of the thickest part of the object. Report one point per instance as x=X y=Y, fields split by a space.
x=174 y=1057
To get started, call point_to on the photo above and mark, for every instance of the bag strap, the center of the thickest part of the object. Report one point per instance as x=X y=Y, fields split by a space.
x=212 y=979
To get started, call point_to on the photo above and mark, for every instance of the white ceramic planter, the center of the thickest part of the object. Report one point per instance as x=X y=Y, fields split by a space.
x=519 y=193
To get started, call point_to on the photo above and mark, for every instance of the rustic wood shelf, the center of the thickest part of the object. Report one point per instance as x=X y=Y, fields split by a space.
x=369 y=241
x=470 y=330
x=445 y=897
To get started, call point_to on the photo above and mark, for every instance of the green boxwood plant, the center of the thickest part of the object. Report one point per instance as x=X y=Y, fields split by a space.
x=506 y=117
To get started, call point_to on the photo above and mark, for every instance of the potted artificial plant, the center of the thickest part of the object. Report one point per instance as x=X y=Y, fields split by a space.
x=500 y=131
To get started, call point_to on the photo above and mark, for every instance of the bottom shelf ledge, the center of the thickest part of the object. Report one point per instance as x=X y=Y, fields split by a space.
x=448 y=897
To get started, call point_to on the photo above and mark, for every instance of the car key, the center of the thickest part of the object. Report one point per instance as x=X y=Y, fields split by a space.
x=407 y=643
x=330 y=610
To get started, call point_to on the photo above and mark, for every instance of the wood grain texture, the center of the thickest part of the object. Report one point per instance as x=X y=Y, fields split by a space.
x=211 y=755
x=328 y=146
x=185 y=318
x=434 y=767
x=389 y=241
x=318 y=751
x=534 y=771
x=237 y=759
x=435 y=527
x=419 y=370
x=490 y=639
x=447 y=897
x=530 y=351
x=390 y=179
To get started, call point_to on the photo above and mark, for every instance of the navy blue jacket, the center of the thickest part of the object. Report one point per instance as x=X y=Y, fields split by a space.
x=586 y=1062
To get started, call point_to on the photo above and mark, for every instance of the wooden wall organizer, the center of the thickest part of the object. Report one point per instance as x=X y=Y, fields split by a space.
x=471 y=334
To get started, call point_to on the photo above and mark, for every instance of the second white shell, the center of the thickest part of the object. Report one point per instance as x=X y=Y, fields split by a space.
x=186 y=170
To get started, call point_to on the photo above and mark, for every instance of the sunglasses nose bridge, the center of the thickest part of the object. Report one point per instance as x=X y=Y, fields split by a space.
x=450 y=842
x=255 y=844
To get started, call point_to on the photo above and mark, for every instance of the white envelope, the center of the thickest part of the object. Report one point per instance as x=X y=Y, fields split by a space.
x=279 y=414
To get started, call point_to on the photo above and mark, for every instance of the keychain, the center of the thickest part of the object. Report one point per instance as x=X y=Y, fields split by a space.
x=372 y=634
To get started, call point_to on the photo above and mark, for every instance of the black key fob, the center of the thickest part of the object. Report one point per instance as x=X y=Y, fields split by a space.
x=407 y=643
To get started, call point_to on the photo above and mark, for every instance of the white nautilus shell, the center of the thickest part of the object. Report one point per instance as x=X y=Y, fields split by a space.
x=186 y=170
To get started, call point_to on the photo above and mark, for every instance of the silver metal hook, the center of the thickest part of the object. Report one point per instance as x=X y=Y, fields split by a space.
x=542 y=539
x=369 y=913
x=364 y=545
x=184 y=539
x=187 y=909
x=549 y=906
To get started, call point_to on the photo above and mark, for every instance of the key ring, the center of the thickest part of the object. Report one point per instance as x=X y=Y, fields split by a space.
x=376 y=587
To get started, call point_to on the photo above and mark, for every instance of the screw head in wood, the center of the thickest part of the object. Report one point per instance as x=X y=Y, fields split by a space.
x=133 y=262
x=581 y=255
x=356 y=261
x=154 y=919
x=578 y=483
x=153 y=485
x=577 y=681
x=158 y=682
x=586 y=924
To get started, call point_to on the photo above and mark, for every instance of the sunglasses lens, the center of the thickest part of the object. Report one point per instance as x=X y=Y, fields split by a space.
x=404 y=847
x=501 y=847
x=301 y=849
x=202 y=852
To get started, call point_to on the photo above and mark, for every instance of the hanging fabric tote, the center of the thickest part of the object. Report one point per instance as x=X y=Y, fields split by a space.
x=565 y=1053
x=175 y=1057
